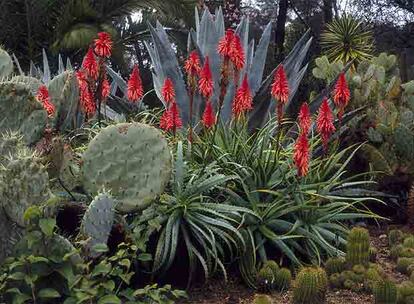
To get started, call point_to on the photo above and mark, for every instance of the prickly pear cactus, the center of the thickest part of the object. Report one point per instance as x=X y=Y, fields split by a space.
x=385 y=292
x=133 y=161
x=10 y=234
x=310 y=286
x=358 y=247
x=10 y=143
x=6 y=64
x=20 y=111
x=32 y=82
x=98 y=219
x=23 y=182
x=64 y=93
x=404 y=142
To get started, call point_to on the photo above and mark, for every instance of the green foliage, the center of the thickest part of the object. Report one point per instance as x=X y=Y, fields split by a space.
x=385 y=292
x=190 y=215
x=346 y=39
x=357 y=248
x=97 y=220
x=395 y=237
x=403 y=265
x=21 y=112
x=310 y=286
x=132 y=160
x=335 y=265
x=24 y=182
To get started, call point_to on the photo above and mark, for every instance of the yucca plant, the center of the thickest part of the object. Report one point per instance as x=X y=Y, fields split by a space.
x=347 y=39
x=188 y=216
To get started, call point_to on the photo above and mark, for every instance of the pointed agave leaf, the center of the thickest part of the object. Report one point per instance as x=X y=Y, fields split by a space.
x=61 y=65
x=46 y=69
x=17 y=63
x=68 y=64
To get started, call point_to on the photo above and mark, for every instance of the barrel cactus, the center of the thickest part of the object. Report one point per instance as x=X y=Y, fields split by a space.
x=21 y=112
x=132 y=160
x=265 y=278
x=310 y=286
x=262 y=299
x=98 y=219
x=23 y=182
x=283 y=278
x=335 y=265
x=358 y=247
x=403 y=265
x=385 y=292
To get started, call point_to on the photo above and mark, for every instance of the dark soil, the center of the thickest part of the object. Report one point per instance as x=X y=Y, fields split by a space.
x=234 y=292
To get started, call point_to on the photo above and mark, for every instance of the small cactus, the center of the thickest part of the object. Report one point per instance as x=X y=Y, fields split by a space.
x=358 y=247
x=272 y=265
x=405 y=293
x=403 y=265
x=283 y=279
x=406 y=253
x=395 y=237
x=385 y=292
x=335 y=280
x=373 y=254
x=396 y=251
x=409 y=242
x=265 y=278
x=262 y=299
x=359 y=269
x=335 y=265
x=310 y=286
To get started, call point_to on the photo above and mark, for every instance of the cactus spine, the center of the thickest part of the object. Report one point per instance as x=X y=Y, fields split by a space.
x=385 y=292
x=130 y=159
x=358 y=247
x=310 y=286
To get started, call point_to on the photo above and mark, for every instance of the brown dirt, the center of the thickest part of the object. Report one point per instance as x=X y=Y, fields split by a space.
x=234 y=292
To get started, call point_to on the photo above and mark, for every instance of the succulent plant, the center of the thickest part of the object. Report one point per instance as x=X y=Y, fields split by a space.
x=395 y=237
x=403 y=264
x=335 y=280
x=396 y=251
x=32 y=83
x=265 y=278
x=405 y=292
x=283 y=278
x=351 y=285
x=272 y=265
x=310 y=286
x=98 y=220
x=23 y=182
x=371 y=277
x=406 y=253
x=6 y=64
x=262 y=299
x=21 y=112
x=132 y=160
x=385 y=292
x=373 y=254
x=335 y=265
x=409 y=242
x=358 y=247
x=10 y=143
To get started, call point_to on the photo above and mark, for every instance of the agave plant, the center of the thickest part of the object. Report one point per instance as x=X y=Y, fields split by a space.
x=188 y=216
x=347 y=39
x=205 y=39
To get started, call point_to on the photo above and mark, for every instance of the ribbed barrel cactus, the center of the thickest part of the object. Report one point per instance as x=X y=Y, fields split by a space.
x=310 y=286
x=132 y=160
x=357 y=248
x=385 y=292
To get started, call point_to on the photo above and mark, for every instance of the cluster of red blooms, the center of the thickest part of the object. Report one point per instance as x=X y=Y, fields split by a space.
x=92 y=77
x=44 y=98
x=170 y=119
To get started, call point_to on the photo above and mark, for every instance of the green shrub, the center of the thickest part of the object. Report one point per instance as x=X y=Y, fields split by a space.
x=310 y=286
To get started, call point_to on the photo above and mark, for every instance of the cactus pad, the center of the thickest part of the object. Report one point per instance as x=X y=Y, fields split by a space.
x=10 y=143
x=20 y=111
x=132 y=160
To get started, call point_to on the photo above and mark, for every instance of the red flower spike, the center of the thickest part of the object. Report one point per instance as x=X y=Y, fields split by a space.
x=342 y=95
x=168 y=92
x=324 y=122
x=305 y=118
x=103 y=45
x=170 y=119
x=135 y=91
x=82 y=81
x=209 y=118
x=237 y=53
x=175 y=115
x=243 y=99
x=226 y=43
x=106 y=88
x=280 y=86
x=192 y=64
x=44 y=98
x=88 y=102
x=301 y=155
x=205 y=84
x=90 y=65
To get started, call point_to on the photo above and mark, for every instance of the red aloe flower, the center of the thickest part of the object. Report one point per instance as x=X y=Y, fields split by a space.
x=301 y=156
x=205 y=84
x=90 y=65
x=170 y=119
x=168 y=92
x=106 y=88
x=237 y=53
x=280 y=86
x=324 y=122
x=82 y=81
x=87 y=102
x=192 y=64
x=103 y=45
x=44 y=98
x=226 y=43
x=243 y=99
x=135 y=91
x=209 y=118
x=304 y=117
x=342 y=95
